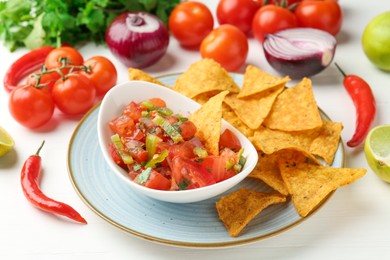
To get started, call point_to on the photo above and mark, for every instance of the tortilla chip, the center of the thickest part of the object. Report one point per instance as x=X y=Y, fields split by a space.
x=310 y=184
x=257 y=81
x=253 y=110
x=204 y=76
x=270 y=141
x=267 y=168
x=231 y=117
x=326 y=143
x=295 y=109
x=204 y=97
x=237 y=209
x=208 y=121
x=136 y=74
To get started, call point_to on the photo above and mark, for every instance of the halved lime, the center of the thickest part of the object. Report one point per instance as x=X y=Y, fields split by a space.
x=6 y=142
x=377 y=151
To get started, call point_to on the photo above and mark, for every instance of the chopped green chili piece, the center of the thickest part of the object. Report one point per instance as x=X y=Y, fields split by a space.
x=200 y=152
x=169 y=129
x=151 y=144
x=148 y=105
x=158 y=158
x=116 y=140
x=164 y=111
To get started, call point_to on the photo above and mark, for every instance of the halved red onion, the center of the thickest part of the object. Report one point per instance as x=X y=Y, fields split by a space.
x=299 y=52
x=137 y=39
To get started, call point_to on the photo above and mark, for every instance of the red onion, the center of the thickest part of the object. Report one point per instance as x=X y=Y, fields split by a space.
x=137 y=39
x=299 y=52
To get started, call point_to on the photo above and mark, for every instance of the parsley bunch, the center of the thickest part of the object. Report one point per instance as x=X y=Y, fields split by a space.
x=34 y=23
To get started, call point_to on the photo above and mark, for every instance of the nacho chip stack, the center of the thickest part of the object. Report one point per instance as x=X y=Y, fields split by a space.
x=295 y=143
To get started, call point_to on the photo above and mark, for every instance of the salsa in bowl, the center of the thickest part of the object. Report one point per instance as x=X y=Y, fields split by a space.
x=151 y=137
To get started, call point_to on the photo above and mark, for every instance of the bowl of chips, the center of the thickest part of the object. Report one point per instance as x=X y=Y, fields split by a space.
x=207 y=118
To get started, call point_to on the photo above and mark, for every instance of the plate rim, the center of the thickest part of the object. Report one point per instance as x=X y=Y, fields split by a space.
x=170 y=241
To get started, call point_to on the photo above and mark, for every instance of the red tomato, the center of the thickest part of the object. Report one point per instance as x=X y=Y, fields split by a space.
x=46 y=79
x=133 y=110
x=158 y=102
x=74 y=95
x=239 y=13
x=136 y=150
x=216 y=165
x=188 y=174
x=158 y=181
x=72 y=56
x=187 y=130
x=31 y=107
x=115 y=156
x=184 y=150
x=102 y=73
x=226 y=45
x=229 y=140
x=190 y=22
x=123 y=126
x=324 y=15
x=270 y=19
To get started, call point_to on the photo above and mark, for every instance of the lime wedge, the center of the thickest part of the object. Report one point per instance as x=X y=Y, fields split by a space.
x=377 y=151
x=6 y=142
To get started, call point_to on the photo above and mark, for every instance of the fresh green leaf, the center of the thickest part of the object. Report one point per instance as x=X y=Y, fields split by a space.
x=143 y=176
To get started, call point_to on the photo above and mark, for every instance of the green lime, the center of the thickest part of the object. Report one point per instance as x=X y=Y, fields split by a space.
x=377 y=151
x=376 y=41
x=6 y=142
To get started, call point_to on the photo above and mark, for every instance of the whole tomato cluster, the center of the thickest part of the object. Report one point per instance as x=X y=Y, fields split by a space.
x=65 y=81
x=192 y=24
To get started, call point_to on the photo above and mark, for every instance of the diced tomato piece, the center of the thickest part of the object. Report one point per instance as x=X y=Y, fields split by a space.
x=122 y=125
x=115 y=156
x=188 y=174
x=136 y=150
x=133 y=110
x=183 y=150
x=158 y=182
x=138 y=135
x=187 y=130
x=158 y=102
x=229 y=140
x=216 y=165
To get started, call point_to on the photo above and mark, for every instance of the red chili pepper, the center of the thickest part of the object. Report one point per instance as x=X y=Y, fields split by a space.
x=24 y=66
x=30 y=178
x=364 y=102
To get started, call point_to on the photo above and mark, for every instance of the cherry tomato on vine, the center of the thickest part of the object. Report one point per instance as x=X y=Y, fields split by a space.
x=226 y=45
x=270 y=19
x=102 y=73
x=72 y=55
x=74 y=95
x=190 y=22
x=46 y=80
x=30 y=106
x=324 y=15
x=239 y=13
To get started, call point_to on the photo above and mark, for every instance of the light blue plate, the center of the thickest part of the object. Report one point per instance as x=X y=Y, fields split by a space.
x=191 y=225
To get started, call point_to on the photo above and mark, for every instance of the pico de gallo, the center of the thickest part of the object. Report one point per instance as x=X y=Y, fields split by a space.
x=160 y=150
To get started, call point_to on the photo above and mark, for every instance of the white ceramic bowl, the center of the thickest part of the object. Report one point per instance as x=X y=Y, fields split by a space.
x=113 y=104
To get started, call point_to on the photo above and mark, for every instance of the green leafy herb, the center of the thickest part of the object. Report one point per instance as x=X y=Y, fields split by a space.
x=35 y=23
x=143 y=176
x=184 y=184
